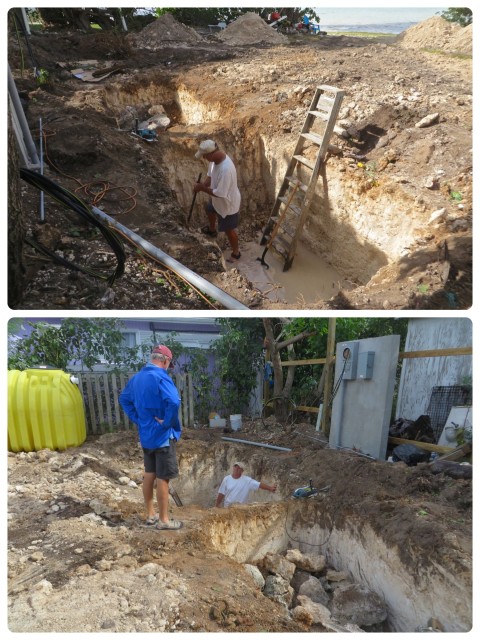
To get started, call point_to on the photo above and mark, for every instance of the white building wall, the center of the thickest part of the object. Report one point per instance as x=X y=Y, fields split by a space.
x=420 y=375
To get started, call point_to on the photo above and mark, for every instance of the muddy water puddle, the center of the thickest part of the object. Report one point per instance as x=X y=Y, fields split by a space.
x=309 y=279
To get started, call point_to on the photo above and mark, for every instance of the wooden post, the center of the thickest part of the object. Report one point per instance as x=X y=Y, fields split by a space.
x=327 y=409
x=191 y=416
x=266 y=385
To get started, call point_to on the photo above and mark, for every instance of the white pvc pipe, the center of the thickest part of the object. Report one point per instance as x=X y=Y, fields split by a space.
x=319 y=417
x=257 y=444
x=25 y=21
x=22 y=121
x=193 y=278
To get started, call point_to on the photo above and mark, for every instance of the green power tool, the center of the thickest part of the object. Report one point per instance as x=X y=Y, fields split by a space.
x=305 y=492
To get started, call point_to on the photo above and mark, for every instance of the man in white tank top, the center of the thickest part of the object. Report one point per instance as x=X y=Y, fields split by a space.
x=221 y=185
x=236 y=487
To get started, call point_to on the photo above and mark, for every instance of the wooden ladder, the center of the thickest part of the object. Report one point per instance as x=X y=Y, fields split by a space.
x=288 y=215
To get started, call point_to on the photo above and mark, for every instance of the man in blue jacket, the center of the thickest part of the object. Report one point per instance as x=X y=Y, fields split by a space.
x=150 y=399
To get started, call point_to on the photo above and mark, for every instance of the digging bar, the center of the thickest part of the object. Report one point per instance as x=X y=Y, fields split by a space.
x=176 y=497
x=193 y=202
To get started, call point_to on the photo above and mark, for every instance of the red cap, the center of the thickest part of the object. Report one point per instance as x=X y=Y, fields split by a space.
x=165 y=351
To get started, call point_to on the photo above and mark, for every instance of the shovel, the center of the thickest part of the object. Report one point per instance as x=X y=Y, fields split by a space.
x=193 y=202
x=277 y=226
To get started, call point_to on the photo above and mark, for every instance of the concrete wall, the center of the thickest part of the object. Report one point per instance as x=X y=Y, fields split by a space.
x=362 y=408
x=420 y=375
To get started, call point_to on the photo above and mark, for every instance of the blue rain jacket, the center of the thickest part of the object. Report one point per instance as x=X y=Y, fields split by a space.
x=152 y=394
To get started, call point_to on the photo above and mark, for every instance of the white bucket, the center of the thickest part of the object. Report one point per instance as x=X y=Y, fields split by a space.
x=236 y=421
x=217 y=422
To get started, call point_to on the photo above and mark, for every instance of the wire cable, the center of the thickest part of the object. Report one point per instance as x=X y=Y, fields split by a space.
x=338 y=383
x=71 y=201
x=96 y=190
x=309 y=544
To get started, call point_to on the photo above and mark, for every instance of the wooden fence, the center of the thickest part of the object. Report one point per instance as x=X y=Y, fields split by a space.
x=101 y=392
x=427 y=353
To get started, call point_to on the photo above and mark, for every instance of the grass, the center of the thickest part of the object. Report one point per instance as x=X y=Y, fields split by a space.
x=361 y=34
x=440 y=52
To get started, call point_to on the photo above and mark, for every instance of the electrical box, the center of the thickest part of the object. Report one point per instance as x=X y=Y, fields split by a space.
x=365 y=365
x=349 y=353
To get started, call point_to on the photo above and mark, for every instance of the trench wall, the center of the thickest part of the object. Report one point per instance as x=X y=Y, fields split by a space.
x=413 y=594
x=355 y=229
x=414 y=589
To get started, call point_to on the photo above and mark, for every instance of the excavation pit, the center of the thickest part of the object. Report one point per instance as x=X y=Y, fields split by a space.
x=401 y=535
x=359 y=220
x=414 y=590
x=319 y=272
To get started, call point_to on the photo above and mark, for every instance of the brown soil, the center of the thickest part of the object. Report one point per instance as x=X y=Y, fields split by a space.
x=79 y=559
x=250 y=85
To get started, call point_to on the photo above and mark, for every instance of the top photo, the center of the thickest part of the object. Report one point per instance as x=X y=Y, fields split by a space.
x=240 y=159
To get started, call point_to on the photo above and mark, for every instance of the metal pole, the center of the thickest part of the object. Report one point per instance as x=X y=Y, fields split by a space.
x=193 y=278
x=30 y=148
x=257 y=444
x=42 y=195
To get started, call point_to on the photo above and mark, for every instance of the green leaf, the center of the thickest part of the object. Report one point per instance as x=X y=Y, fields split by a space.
x=423 y=288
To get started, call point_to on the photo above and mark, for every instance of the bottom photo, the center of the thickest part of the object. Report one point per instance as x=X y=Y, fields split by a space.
x=250 y=474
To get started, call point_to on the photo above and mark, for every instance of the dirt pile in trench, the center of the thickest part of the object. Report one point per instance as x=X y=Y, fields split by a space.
x=250 y=29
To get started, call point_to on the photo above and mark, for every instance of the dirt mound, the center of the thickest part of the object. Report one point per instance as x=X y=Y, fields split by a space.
x=165 y=32
x=250 y=29
x=434 y=33
x=461 y=41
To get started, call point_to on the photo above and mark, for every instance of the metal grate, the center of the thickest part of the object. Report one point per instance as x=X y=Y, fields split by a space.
x=442 y=400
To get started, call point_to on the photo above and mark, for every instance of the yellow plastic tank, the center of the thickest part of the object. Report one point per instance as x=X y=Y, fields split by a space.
x=45 y=411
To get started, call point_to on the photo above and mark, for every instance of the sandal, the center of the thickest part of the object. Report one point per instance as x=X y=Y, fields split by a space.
x=151 y=520
x=171 y=525
x=208 y=232
x=234 y=257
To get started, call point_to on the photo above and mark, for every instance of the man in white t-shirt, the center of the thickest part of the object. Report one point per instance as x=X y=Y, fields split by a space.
x=221 y=185
x=236 y=487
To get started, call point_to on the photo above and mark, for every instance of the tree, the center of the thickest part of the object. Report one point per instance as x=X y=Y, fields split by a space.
x=213 y=15
x=202 y=17
x=305 y=339
x=84 y=18
x=238 y=360
x=463 y=16
x=82 y=341
x=275 y=341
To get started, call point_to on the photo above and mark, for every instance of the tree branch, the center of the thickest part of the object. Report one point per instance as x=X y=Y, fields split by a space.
x=297 y=338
